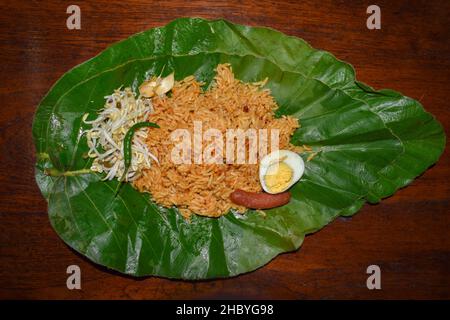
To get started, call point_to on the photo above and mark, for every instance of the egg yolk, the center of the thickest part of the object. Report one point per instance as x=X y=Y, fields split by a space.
x=278 y=177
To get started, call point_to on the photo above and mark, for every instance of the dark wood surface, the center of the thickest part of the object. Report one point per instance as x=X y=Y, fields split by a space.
x=407 y=235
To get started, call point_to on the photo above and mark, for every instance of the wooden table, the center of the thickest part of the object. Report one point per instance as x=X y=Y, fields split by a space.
x=407 y=235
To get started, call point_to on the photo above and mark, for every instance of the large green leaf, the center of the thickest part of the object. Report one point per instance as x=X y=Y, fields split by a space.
x=369 y=145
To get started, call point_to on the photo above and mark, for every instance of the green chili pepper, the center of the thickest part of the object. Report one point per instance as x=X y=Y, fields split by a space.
x=128 y=140
x=127 y=143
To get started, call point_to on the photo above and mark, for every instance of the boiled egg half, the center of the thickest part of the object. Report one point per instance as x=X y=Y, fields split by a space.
x=279 y=170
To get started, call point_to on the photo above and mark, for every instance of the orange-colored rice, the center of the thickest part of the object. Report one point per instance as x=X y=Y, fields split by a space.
x=204 y=189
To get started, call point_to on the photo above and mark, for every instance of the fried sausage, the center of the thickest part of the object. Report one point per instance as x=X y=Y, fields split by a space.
x=261 y=200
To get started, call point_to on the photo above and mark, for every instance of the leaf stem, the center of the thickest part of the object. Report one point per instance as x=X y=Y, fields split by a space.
x=56 y=173
x=43 y=156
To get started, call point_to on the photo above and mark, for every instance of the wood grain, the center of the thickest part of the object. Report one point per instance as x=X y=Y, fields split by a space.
x=406 y=235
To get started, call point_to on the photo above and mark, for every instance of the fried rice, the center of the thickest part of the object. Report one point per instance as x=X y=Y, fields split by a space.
x=205 y=189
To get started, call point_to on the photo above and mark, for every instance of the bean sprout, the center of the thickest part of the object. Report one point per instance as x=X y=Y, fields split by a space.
x=105 y=139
